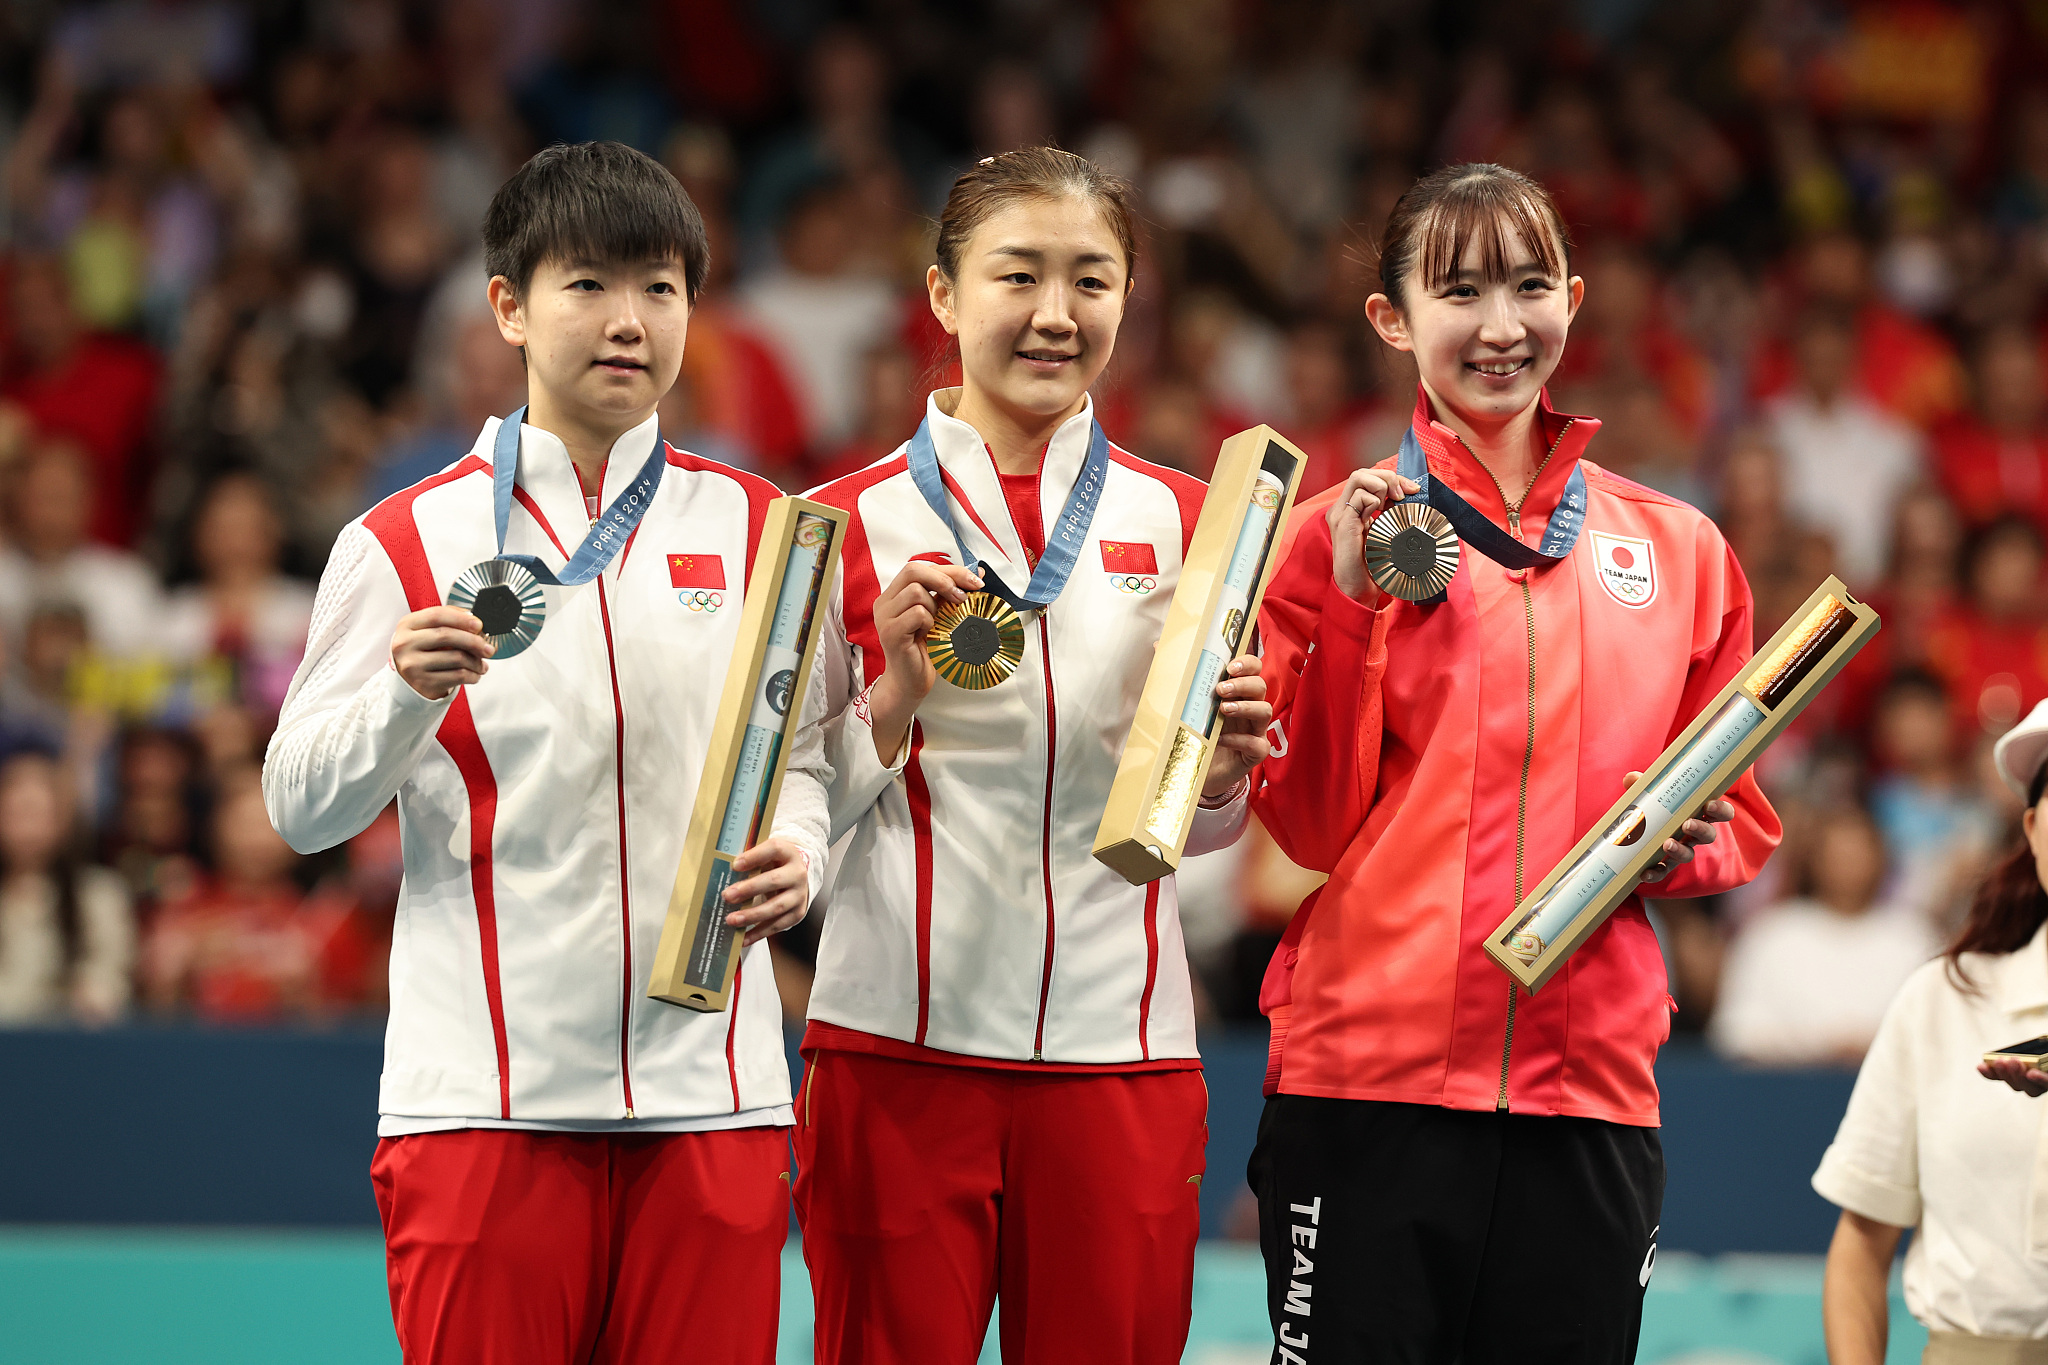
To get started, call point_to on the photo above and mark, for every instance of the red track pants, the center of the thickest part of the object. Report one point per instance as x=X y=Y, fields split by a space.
x=925 y=1189
x=524 y=1248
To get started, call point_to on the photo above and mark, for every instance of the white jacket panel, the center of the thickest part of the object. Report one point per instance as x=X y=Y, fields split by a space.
x=543 y=809
x=968 y=912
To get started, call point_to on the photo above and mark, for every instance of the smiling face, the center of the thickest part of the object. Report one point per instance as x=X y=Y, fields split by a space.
x=1036 y=303
x=603 y=341
x=1484 y=346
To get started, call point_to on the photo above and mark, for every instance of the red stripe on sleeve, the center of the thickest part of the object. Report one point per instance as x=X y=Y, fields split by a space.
x=1151 y=969
x=391 y=521
x=920 y=794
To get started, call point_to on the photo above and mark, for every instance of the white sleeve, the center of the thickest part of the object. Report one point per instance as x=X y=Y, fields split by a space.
x=802 y=810
x=1873 y=1165
x=1215 y=827
x=352 y=730
x=859 y=776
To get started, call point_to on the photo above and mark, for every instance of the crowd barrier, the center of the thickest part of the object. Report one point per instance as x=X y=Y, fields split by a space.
x=192 y=1126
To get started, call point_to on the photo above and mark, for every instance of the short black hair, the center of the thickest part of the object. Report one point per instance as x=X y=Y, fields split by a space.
x=600 y=201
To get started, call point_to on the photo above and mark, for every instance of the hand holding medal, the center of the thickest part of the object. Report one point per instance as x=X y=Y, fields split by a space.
x=905 y=614
x=1351 y=516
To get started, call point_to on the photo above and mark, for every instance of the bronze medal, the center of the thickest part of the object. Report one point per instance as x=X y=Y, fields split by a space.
x=1411 y=551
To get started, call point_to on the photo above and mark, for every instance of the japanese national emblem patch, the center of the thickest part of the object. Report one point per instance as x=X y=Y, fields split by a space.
x=1627 y=568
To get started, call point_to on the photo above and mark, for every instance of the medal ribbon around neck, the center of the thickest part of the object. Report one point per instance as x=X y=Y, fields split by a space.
x=1068 y=535
x=608 y=534
x=505 y=593
x=1475 y=529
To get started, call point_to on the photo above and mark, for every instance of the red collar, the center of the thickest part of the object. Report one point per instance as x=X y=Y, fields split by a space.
x=1568 y=434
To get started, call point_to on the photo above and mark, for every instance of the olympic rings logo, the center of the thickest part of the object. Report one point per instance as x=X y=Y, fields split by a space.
x=701 y=600
x=1132 y=583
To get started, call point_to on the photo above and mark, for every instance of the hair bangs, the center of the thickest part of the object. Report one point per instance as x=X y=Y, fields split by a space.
x=1499 y=216
x=600 y=202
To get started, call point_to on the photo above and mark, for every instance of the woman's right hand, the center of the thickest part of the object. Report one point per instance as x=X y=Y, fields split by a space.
x=903 y=618
x=1365 y=493
x=2028 y=1080
x=440 y=649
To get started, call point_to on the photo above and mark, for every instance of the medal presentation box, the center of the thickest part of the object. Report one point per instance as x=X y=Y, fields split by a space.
x=1716 y=749
x=1222 y=581
x=758 y=716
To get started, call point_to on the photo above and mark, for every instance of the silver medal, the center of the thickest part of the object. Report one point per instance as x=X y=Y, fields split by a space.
x=506 y=599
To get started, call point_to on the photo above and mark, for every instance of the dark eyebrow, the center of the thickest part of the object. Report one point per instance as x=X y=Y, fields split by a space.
x=1028 y=253
x=1479 y=276
x=585 y=264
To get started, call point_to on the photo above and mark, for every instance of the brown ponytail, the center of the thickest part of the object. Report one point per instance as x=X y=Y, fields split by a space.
x=1442 y=212
x=2009 y=906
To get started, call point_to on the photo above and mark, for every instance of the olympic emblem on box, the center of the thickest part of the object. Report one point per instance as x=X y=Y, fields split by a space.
x=1134 y=583
x=699 y=600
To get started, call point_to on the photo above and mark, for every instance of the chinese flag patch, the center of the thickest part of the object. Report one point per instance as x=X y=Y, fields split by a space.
x=696 y=571
x=1124 y=556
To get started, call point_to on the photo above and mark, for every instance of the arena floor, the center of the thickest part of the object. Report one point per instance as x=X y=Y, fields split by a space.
x=98 y=1296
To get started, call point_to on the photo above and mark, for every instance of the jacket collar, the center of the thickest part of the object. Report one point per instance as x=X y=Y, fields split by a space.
x=548 y=476
x=2021 y=978
x=977 y=491
x=1450 y=460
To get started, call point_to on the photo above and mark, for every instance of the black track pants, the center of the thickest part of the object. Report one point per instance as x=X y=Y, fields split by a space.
x=1414 y=1235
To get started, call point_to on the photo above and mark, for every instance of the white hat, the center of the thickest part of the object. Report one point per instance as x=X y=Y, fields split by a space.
x=2021 y=750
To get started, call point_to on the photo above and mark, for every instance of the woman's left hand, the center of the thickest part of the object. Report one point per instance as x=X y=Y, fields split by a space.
x=777 y=877
x=2028 y=1080
x=1246 y=714
x=1678 y=850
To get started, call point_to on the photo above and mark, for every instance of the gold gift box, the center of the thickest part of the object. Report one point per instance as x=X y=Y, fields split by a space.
x=1159 y=775
x=698 y=953
x=1603 y=868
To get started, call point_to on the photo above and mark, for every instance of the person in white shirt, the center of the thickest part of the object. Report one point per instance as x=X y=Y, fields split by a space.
x=242 y=609
x=1933 y=1141
x=1846 y=459
x=1807 y=980
x=52 y=562
x=567 y=1170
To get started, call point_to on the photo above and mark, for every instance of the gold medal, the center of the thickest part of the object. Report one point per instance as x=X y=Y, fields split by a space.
x=976 y=643
x=1411 y=551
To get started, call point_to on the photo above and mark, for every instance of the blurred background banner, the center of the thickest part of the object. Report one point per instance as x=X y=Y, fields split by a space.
x=241 y=299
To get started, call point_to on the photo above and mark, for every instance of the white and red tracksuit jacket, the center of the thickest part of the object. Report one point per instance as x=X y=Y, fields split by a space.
x=543 y=808
x=968 y=915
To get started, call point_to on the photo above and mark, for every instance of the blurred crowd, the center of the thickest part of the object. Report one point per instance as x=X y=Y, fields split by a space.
x=241 y=299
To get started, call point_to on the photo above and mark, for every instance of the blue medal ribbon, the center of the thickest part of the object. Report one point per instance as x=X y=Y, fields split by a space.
x=607 y=536
x=1477 y=530
x=1062 y=545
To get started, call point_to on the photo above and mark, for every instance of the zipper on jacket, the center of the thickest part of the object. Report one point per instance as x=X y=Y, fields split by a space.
x=1514 y=511
x=1052 y=736
x=625 y=895
x=1507 y=1044
x=1514 y=508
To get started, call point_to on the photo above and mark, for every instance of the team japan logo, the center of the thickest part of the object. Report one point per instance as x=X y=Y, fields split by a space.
x=1628 y=568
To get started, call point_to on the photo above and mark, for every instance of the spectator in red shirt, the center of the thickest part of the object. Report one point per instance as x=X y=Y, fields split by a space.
x=99 y=390
x=1901 y=364
x=1995 y=459
x=1993 y=653
x=246 y=945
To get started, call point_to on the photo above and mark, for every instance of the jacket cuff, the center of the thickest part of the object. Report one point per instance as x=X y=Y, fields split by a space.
x=1215 y=827
x=406 y=702
x=1346 y=615
x=859 y=775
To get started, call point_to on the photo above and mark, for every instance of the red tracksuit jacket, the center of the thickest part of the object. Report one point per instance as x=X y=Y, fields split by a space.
x=1437 y=761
